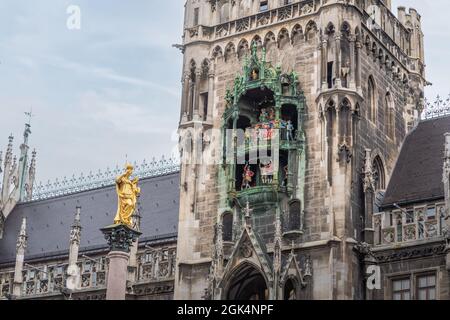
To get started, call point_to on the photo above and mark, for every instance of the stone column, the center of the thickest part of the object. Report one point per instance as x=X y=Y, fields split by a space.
x=210 y=96
x=20 y=257
x=324 y=63
x=352 y=83
x=120 y=239
x=358 y=66
x=185 y=97
x=320 y=66
x=196 y=100
x=190 y=99
x=338 y=60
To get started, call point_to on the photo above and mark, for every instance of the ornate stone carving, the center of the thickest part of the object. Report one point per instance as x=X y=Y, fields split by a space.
x=411 y=253
x=246 y=250
x=368 y=178
x=120 y=237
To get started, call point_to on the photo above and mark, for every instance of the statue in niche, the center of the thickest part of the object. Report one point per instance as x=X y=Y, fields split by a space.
x=247 y=177
x=127 y=193
x=255 y=74
x=290 y=131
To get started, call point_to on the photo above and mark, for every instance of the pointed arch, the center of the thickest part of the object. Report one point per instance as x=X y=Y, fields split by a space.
x=257 y=39
x=206 y=66
x=346 y=30
x=283 y=38
x=296 y=33
x=230 y=51
x=246 y=282
x=243 y=48
x=345 y=119
x=217 y=52
x=389 y=116
x=310 y=30
x=269 y=39
x=330 y=29
x=379 y=173
x=371 y=100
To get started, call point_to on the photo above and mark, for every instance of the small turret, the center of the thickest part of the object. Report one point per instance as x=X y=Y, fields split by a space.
x=18 y=176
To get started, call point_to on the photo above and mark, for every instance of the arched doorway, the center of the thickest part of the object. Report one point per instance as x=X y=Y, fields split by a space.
x=290 y=290
x=247 y=284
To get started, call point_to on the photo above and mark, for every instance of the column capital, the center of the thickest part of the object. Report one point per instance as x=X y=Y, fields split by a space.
x=120 y=237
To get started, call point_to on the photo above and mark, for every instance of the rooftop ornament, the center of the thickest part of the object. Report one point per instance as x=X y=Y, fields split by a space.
x=439 y=108
x=102 y=179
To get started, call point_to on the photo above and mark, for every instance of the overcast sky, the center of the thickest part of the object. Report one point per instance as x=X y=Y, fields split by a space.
x=112 y=88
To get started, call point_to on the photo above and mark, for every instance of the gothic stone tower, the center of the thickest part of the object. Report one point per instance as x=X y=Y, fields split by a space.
x=335 y=86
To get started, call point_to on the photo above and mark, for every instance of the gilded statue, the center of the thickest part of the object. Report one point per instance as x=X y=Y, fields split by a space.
x=127 y=193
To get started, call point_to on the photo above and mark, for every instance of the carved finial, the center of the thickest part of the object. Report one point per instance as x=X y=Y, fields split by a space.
x=22 y=238
x=368 y=180
x=77 y=219
x=8 y=155
x=75 y=231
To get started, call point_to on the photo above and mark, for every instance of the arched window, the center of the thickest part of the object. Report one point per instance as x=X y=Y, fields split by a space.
x=371 y=100
x=378 y=174
x=227 y=227
x=390 y=116
x=294 y=215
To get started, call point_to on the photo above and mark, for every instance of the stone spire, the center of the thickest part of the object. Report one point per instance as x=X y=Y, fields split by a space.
x=74 y=243
x=20 y=257
x=29 y=183
x=23 y=163
x=18 y=176
x=7 y=170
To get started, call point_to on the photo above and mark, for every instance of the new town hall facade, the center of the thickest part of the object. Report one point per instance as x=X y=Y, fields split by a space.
x=326 y=170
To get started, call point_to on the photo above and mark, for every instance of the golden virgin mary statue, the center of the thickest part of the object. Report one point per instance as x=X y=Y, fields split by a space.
x=127 y=193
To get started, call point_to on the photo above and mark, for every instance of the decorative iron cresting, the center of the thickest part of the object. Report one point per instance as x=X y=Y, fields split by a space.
x=101 y=179
x=438 y=108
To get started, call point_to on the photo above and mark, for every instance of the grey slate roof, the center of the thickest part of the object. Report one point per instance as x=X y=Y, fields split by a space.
x=418 y=173
x=49 y=221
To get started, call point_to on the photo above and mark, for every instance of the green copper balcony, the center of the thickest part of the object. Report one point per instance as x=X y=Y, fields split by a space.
x=259 y=195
